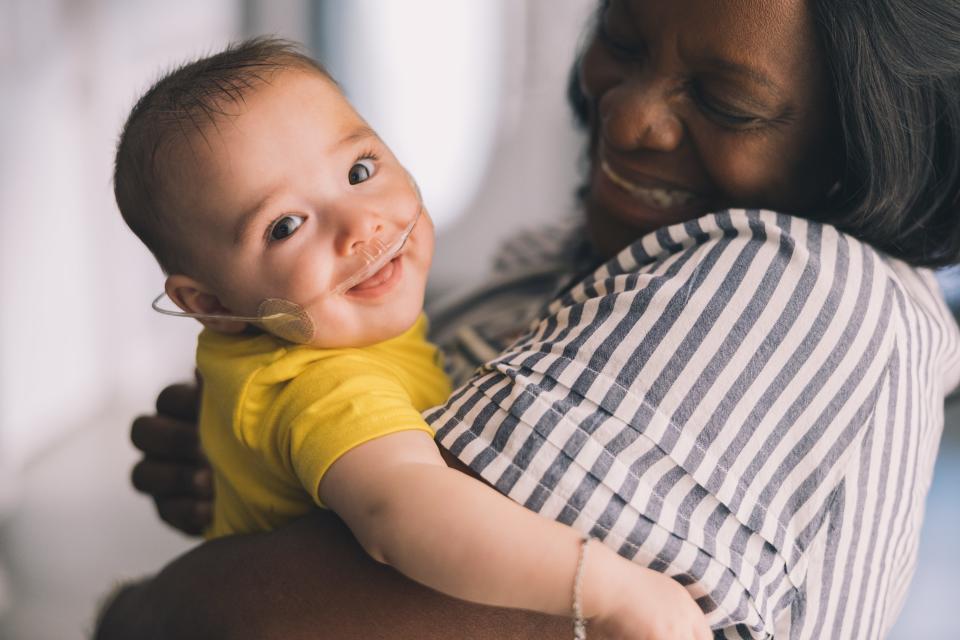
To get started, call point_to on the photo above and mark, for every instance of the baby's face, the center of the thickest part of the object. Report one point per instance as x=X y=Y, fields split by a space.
x=278 y=200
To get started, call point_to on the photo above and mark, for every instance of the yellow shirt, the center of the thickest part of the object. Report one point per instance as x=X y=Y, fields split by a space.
x=275 y=416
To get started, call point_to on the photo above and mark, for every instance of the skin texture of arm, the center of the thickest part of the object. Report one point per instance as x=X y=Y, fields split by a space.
x=312 y=574
x=447 y=530
x=309 y=579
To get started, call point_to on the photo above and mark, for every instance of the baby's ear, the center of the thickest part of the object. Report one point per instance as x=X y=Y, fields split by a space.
x=193 y=297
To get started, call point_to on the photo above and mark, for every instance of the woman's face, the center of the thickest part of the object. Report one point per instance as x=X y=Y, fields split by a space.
x=702 y=105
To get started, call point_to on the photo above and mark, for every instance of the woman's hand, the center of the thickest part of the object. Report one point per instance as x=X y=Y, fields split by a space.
x=173 y=470
x=636 y=603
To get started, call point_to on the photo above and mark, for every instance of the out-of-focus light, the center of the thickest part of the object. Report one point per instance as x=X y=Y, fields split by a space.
x=426 y=75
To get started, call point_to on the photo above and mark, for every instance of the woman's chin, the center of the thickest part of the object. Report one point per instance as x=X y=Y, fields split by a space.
x=617 y=218
x=611 y=231
x=607 y=236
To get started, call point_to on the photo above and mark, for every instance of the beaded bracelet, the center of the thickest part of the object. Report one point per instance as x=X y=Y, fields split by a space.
x=579 y=624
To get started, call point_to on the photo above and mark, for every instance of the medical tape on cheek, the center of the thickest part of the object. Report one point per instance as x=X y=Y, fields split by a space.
x=286 y=320
x=282 y=318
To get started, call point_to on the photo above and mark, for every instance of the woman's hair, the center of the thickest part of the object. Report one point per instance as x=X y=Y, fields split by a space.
x=895 y=70
x=895 y=66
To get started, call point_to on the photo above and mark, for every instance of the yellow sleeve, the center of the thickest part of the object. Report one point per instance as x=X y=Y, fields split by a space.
x=336 y=405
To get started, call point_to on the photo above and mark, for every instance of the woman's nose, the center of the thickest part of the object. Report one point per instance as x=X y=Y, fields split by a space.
x=638 y=115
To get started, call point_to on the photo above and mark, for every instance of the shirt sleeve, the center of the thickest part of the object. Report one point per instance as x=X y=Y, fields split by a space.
x=336 y=405
x=693 y=403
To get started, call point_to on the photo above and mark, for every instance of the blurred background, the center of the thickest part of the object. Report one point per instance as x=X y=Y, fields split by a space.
x=468 y=93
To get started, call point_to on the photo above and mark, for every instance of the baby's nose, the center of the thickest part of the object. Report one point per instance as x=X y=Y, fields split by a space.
x=358 y=233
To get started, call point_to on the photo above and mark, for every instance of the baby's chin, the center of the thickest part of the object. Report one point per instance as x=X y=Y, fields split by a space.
x=371 y=329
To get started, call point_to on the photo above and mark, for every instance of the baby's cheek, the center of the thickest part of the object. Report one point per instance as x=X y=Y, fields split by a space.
x=300 y=278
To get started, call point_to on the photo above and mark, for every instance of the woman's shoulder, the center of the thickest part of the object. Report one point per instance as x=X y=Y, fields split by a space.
x=736 y=278
x=739 y=254
x=742 y=289
x=741 y=239
x=718 y=261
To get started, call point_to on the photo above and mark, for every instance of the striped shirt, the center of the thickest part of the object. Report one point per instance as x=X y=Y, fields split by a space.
x=749 y=402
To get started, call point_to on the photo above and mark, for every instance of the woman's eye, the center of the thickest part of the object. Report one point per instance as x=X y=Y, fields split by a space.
x=723 y=115
x=729 y=118
x=285 y=226
x=361 y=171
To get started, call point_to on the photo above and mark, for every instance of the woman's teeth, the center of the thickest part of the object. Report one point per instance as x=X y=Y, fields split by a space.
x=655 y=197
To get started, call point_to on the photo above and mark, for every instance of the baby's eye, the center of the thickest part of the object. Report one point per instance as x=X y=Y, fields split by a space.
x=361 y=171
x=285 y=226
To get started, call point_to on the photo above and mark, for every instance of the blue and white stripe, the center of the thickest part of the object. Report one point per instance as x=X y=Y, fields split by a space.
x=750 y=402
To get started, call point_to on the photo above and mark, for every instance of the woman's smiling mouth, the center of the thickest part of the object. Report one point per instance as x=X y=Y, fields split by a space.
x=659 y=198
x=623 y=205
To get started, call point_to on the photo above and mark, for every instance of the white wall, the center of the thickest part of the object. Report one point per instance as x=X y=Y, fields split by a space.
x=75 y=286
x=427 y=75
x=533 y=171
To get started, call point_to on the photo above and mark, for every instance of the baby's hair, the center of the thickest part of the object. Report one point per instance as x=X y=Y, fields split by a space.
x=184 y=102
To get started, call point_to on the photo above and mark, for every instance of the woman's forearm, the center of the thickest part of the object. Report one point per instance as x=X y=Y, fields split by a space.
x=308 y=579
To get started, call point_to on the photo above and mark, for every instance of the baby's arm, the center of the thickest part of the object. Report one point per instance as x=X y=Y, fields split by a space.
x=454 y=534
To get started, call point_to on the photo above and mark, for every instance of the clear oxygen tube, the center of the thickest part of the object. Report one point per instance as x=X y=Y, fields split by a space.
x=289 y=320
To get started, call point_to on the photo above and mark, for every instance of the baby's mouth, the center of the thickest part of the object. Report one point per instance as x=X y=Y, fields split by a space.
x=377 y=256
x=378 y=278
x=658 y=198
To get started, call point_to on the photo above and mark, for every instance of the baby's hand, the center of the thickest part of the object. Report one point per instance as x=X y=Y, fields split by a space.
x=641 y=604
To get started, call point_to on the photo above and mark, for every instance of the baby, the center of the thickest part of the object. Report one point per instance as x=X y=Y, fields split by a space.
x=289 y=229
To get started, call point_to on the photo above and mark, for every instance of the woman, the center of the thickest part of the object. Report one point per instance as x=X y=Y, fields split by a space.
x=749 y=401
